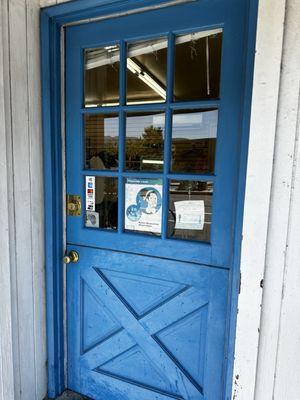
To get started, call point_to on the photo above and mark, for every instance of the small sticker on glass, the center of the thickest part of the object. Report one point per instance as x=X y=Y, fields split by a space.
x=90 y=193
x=92 y=219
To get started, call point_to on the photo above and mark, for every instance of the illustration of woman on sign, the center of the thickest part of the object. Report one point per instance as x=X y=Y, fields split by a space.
x=151 y=200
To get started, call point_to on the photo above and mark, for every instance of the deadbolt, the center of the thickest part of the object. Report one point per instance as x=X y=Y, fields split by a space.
x=73 y=205
x=72 y=257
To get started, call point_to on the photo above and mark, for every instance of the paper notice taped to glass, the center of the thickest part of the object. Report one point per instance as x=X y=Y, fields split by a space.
x=190 y=214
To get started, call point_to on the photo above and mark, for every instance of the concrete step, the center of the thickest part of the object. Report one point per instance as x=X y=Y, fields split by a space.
x=68 y=395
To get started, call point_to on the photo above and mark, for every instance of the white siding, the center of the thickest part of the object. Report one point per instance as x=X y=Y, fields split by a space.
x=258 y=187
x=47 y=3
x=267 y=362
x=267 y=353
x=281 y=235
x=6 y=345
x=24 y=190
x=287 y=385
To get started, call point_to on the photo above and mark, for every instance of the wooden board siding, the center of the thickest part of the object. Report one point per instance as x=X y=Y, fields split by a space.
x=272 y=217
x=6 y=345
x=279 y=355
x=22 y=131
x=47 y=3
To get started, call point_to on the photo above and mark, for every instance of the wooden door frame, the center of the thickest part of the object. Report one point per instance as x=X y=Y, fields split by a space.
x=53 y=21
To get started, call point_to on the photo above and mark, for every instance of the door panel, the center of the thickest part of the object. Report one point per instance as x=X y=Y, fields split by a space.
x=153 y=132
x=143 y=326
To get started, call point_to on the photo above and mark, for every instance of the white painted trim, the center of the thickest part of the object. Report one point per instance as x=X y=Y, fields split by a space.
x=287 y=383
x=281 y=216
x=271 y=15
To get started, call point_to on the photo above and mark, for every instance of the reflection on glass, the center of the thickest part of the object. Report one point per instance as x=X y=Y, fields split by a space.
x=147 y=71
x=194 y=135
x=101 y=141
x=145 y=141
x=190 y=210
x=103 y=209
x=197 y=65
x=102 y=76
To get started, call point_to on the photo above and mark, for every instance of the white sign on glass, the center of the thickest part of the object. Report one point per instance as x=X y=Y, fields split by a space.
x=190 y=214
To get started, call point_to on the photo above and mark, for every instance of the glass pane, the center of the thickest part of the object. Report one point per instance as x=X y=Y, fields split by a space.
x=147 y=71
x=194 y=140
x=190 y=210
x=101 y=202
x=101 y=141
x=145 y=141
x=143 y=205
x=102 y=76
x=197 y=66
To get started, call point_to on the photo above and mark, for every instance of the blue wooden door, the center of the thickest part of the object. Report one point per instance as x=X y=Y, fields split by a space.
x=153 y=126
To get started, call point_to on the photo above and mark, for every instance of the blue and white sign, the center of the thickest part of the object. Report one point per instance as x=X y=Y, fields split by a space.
x=143 y=205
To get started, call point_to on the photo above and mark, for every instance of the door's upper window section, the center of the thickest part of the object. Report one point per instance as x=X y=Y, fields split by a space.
x=102 y=67
x=147 y=71
x=152 y=144
x=197 y=65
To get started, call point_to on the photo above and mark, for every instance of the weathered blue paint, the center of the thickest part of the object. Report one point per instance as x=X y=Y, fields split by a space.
x=142 y=327
x=218 y=253
x=52 y=19
x=235 y=277
x=196 y=15
x=53 y=205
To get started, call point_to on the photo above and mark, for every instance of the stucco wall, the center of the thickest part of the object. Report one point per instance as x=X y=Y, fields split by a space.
x=268 y=350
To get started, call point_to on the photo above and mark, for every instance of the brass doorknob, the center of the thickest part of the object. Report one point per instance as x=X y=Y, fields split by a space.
x=72 y=257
